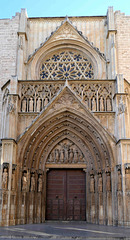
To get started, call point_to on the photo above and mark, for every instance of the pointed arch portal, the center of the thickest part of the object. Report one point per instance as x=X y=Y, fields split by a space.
x=66 y=141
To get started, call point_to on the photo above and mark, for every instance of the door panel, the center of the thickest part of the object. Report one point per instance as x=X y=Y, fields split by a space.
x=65 y=195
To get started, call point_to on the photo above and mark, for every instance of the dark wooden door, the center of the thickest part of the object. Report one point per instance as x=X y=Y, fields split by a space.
x=65 y=195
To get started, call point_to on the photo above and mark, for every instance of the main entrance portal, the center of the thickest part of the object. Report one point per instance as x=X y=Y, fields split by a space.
x=66 y=198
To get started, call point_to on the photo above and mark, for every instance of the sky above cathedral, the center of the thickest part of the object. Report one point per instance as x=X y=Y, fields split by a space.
x=57 y=8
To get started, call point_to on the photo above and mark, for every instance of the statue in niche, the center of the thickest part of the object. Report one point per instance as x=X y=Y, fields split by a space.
x=62 y=155
x=92 y=184
x=119 y=186
x=5 y=179
x=24 y=105
x=93 y=102
x=32 y=182
x=13 y=180
x=127 y=179
x=76 y=156
x=101 y=104
x=24 y=182
x=66 y=154
x=40 y=183
x=71 y=156
x=31 y=108
x=100 y=183
x=38 y=105
x=45 y=101
x=108 y=185
x=56 y=155
x=109 y=106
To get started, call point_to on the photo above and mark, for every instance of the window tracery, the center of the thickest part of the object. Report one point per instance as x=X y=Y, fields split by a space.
x=66 y=64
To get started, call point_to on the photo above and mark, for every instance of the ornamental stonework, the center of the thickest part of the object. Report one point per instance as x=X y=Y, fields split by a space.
x=66 y=64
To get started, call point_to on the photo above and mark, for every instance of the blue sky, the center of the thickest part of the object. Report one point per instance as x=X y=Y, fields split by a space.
x=51 y=8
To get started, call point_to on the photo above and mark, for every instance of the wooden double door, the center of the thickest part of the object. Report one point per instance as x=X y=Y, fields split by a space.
x=66 y=195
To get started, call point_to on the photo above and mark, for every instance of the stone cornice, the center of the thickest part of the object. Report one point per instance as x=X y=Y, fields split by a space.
x=111 y=31
x=5 y=85
x=123 y=140
x=8 y=139
x=119 y=94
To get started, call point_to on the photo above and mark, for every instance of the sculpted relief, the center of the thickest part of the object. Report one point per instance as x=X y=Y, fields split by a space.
x=66 y=152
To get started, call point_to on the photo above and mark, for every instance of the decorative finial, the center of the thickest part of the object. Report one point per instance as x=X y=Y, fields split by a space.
x=66 y=82
x=66 y=18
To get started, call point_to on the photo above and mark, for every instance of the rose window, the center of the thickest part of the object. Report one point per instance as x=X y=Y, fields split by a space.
x=66 y=65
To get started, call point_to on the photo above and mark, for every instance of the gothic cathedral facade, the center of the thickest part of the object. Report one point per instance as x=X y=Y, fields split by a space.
x=65 y=119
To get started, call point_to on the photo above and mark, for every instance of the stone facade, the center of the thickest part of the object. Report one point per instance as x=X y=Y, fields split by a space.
x=65 y=104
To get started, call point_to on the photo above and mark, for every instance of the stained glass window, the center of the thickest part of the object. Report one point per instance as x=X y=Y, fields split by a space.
x=66 y=65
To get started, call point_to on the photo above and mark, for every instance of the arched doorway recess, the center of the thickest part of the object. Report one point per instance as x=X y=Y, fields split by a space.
x=66 y=138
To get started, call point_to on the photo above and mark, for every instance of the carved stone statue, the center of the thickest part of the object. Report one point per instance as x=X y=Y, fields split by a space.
x=76 y=156
x=5 y=179
x=101 y=104
x=100 y=183
x=40 y=183
x=31 y=105
x=56 y=155
x=45 y=101
x=24 y=182
x=109 y=108
x=71 y=156
x=24 y=104
x=32 y=183
x=92 y=184
x=119 y=187
x=127 y=179
x=108 y=184
x=38 y=105
x=66 y=154
x=13 y=180
x=62 y=155
x=93 y=104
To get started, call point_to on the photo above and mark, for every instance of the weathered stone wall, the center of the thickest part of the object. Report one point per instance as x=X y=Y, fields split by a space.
x=8 y=51
x=93 y=28
x=122 y=24
x=20 y=36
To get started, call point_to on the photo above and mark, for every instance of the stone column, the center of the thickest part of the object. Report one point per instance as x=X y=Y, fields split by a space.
x=111 y=32
x=22 y=45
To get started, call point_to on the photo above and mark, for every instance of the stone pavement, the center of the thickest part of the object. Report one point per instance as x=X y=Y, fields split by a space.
x=64 y=231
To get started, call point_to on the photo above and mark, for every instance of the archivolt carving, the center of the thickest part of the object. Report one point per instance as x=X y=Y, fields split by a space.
x=75 y=124
x=66 y=64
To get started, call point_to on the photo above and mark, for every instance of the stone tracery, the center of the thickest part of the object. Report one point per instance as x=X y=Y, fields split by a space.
x=66 y=64
x=97 y=97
